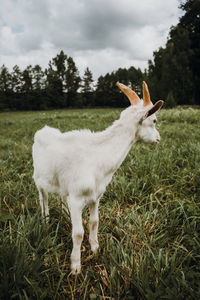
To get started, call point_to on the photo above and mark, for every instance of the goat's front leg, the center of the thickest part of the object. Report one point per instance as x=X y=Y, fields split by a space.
x=94 y=222
x=44 y=203
x=77 y=234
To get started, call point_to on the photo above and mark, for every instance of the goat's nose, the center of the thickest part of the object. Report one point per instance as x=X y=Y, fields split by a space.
x=157 y=139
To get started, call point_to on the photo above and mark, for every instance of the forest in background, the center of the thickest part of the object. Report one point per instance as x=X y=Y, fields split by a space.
x=172 y=75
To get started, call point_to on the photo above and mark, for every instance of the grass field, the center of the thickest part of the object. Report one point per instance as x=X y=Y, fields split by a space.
x=149 y=230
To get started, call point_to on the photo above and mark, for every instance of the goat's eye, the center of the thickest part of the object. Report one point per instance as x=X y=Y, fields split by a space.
x=155 y=121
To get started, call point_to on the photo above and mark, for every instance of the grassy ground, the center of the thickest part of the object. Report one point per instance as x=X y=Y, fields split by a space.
x=149 y=216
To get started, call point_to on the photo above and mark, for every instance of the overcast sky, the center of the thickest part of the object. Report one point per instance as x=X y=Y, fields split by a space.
x=100 y=34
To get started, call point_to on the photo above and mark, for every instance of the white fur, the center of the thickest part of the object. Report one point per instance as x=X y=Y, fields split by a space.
x=78 y=165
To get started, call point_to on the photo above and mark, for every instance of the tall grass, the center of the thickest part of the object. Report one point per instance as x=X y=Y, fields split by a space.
x=149 y=216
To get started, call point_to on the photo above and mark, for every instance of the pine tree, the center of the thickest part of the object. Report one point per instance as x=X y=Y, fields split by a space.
x=72 y=83
x=38 y=78
x=87 y=81
x=72 y=78
x=27 y=80
x=5 y=88
x=5 y=79
x=87 y=98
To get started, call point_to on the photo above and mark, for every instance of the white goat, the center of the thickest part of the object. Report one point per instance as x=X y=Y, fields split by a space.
x=78 y=165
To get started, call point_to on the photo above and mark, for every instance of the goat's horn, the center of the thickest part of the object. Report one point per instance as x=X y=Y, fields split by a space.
x=132 y=96
x=146 y=95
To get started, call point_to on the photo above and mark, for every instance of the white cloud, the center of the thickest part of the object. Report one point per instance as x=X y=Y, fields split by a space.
x=100 y=34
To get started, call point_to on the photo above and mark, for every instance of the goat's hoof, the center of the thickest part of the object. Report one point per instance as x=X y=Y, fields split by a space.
x=94 y=247
x=75 y=269
x=46 y=219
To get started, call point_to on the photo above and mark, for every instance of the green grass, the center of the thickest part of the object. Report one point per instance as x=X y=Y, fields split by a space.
x=149 y=216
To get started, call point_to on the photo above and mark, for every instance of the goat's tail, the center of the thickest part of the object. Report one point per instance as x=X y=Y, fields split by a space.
x=46 y=135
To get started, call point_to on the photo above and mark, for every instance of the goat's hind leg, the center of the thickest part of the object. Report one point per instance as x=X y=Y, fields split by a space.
x=94 y=222
x=77 y=233
x=43 y=196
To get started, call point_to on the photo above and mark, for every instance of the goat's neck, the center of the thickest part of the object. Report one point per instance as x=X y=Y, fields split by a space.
x=119 y=138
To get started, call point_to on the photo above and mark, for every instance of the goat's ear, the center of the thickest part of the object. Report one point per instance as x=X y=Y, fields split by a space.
x=152 y=110
x=132 y=96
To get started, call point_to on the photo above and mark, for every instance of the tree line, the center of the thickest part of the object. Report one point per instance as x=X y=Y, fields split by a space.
x=60 y=85
x=173 y=75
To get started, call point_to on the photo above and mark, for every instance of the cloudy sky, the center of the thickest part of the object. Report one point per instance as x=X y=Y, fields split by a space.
x=100 y=34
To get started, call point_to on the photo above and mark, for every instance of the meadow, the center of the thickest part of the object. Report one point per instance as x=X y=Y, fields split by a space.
x=149 y=230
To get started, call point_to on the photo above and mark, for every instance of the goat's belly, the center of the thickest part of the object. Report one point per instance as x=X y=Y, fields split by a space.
x=102 y=184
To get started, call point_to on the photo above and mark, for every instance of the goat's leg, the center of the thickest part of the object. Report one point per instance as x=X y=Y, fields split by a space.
x=94 y=222
x=77 y=234
x=44 y=202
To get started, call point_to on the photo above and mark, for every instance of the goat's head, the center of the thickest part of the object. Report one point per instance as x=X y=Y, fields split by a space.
x=145 y=113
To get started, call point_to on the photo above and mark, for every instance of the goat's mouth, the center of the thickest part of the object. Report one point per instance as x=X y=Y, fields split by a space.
x=157 y=141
